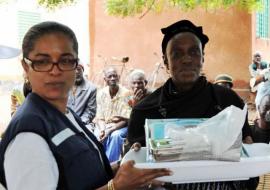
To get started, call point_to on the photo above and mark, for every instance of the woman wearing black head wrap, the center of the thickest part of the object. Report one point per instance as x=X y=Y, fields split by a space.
x=186 y=94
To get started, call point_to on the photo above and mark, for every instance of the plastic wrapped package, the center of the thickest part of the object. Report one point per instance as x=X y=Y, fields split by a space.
x=217 y=138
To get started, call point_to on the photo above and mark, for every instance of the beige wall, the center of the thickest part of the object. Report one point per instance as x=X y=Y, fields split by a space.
x=228 y=50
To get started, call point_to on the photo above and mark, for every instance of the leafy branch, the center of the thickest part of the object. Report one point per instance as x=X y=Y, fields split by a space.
x=53 y=4
x=126 y=8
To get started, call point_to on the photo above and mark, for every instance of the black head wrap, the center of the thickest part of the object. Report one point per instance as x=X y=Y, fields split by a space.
x=182 y=26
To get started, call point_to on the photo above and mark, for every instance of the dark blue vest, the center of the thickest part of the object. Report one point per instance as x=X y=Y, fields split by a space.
x=78 y=161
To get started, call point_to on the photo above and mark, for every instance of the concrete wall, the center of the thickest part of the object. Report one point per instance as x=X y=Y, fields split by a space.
x=228 y=50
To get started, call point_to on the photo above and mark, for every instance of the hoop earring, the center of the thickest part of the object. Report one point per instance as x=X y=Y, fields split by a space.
x=26 y=81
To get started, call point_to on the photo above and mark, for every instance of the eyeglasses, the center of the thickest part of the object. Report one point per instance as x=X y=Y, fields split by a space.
x=46 y=65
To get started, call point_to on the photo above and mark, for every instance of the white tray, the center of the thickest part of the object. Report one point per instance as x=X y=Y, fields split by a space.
x=209 y=170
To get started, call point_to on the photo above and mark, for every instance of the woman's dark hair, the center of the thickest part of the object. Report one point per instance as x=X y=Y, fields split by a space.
x=43 y=28
x=27 y=89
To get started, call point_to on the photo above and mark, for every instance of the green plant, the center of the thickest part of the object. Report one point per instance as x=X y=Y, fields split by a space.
x=126 y=8
x=52 y=4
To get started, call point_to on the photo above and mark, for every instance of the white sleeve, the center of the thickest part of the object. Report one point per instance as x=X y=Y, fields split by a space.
x=29 y=164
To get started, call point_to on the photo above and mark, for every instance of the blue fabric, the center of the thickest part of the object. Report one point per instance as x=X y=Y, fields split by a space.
x=113 y=144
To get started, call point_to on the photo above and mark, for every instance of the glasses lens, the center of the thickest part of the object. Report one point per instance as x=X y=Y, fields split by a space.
x=41 y=65
x=67 y=64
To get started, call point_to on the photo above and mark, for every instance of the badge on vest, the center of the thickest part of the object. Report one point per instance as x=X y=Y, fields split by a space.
x=62 y=136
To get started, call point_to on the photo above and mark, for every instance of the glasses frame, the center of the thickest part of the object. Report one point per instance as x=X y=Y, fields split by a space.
x=30 y=62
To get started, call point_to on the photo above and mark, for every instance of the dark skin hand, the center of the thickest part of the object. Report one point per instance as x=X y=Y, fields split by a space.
x=130 y=177
x=110 y=127
x=248 y=140
x=259 y=79
x=107 y=128
x=138 y=94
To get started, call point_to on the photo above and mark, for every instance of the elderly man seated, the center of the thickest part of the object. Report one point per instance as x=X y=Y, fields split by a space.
x=260 y=77
x=137 y=83
x=112 y=115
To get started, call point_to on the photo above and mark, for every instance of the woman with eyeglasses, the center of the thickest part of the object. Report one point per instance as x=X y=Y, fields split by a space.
x=46 y=145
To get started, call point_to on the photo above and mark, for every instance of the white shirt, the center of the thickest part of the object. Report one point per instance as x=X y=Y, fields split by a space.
x=263 y=89
x=29 y=163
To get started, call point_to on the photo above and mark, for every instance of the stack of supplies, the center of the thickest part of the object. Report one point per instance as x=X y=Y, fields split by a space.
x=216 y=138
